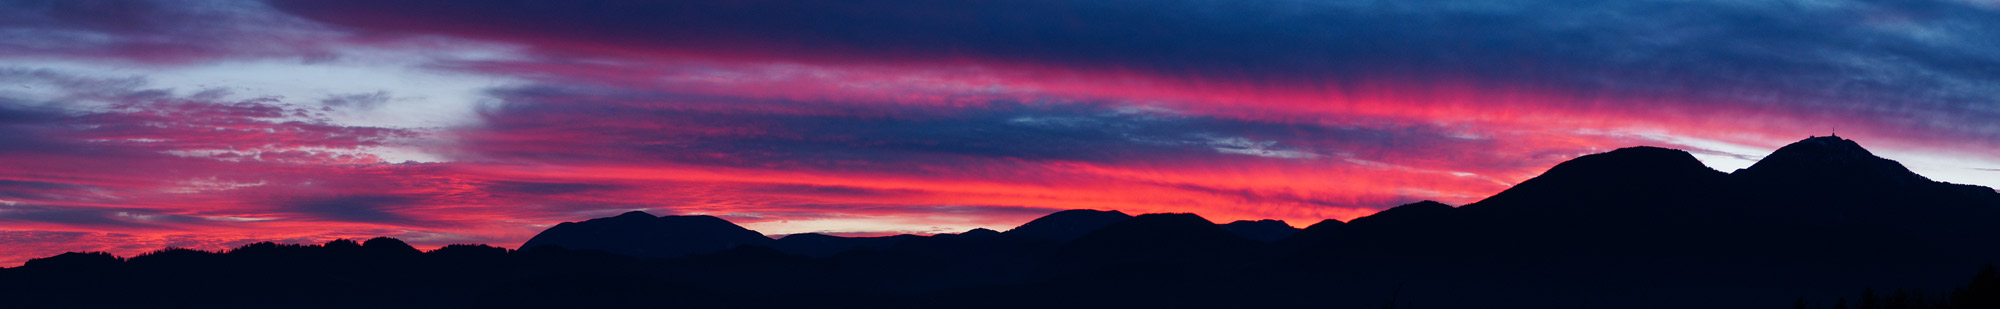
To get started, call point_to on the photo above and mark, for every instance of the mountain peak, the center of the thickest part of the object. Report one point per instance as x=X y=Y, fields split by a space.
x=639 y=234
x=703 y=220
x=1421 y=210
x=1643 y=160
x=388 y=245
x=980 y=232
x=1156 y=229
x=1266 y=230
x=1067 y=225
x=1615 y=177
x=1829 y=160
x=635 y=214
x=1826 y=148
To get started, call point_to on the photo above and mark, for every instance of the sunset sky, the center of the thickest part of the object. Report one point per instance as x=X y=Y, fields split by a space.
x=128 y=126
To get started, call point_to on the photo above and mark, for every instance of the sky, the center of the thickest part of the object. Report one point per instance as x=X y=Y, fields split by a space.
x=129 y=126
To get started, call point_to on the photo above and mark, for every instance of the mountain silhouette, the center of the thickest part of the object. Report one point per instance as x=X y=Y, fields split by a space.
x=1613 y=181
x=1816 y=222
x=1067 y=225
x=73 y=261
x=822 y=245
x=1830 y=161
x=1267 y=231
x=640 y=234
x=1821 y=208
x=1834 y=180
x=1313 y=236
x=977 y=233
x=389 y=246
x=1402 y=215
x=1153 y=244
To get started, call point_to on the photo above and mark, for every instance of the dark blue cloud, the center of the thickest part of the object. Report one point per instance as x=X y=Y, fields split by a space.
x=37 y=190
x=26 y=128
x=356 y=208
x=606 y=125
x=96 y=217
x=1937 y=53
x=151 y=31
x=360 y=101
x=65 y=216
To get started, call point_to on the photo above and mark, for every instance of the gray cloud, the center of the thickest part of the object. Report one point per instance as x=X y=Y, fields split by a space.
x=359 y=101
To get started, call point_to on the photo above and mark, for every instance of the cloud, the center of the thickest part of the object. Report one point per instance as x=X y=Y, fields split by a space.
x=99 y=155
x=556 y=152
x=155 y=32
x=361 y=101
x=121 y=117
x=356 y=208
x=1906 y=70
x=71 y=216
x=553 y=125
x=545 y=188
x=1705 y=44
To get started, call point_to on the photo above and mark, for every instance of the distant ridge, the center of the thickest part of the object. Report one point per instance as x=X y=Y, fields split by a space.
x=1830 y=161
x=1261 y=230
x=1636 y=176
x=822 y=245
x=1067 y=225
x=642 y=235
x=1640 y=227
x=1162 y=245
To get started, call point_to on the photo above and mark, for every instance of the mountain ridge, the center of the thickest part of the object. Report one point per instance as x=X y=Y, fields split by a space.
x=641 y=234
x=1617 y=228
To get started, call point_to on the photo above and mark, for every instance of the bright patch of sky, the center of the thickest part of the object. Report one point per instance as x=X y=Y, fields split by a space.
x=869 y=224
x=414 y=96
x=399 y=86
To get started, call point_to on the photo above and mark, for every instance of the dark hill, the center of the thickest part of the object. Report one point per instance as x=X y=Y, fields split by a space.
x=389 y=246
x=1628 y=181
x=1067 y=225
x=1156 y=246
x=822 y=245
x=1834 y=180
x=1660 y=220
x=1261 y=230
x=1170 y=232
x=1312 y=236
x=1830 y=161
x=1406 y=214
x=74 y=261
x=641 y=235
